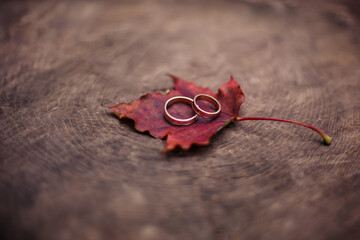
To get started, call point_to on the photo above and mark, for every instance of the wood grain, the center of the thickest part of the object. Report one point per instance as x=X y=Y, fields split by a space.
x=71 y=170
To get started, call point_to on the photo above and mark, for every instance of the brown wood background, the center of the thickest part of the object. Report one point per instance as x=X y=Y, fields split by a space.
x=70 y=170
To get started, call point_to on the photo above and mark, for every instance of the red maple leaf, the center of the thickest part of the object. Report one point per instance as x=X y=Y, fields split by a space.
x=148 y=113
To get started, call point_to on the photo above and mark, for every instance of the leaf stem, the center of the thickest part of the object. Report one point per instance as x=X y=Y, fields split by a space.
x=327 y=138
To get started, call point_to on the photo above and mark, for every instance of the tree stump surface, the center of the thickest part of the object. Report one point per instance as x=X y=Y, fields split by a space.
x=69 y=169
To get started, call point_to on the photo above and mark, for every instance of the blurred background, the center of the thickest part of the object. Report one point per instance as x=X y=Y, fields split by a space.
x=69 y=169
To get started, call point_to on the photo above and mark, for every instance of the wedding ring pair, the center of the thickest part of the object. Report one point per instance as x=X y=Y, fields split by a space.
x=192 y=102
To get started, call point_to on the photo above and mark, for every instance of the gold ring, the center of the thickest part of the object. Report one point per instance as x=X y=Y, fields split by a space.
x=179 y=121
x=209 y=99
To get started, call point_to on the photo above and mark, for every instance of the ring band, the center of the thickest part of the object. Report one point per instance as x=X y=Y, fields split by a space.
x=179 y=121
x=209 y=99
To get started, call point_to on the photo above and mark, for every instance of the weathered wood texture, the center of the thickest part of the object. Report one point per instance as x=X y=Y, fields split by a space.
x=70 y=170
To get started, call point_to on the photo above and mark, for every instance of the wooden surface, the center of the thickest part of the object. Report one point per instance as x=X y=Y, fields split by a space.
x=71 y=170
